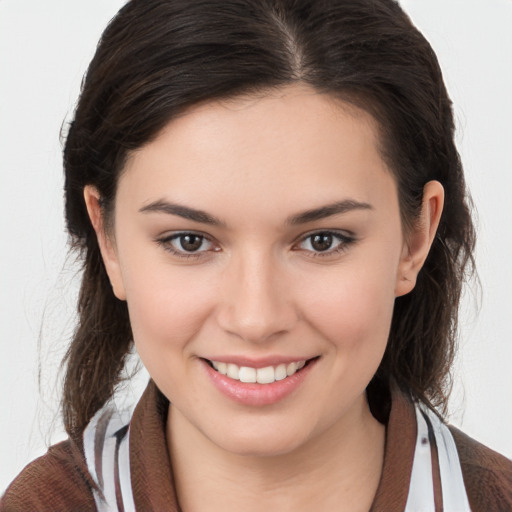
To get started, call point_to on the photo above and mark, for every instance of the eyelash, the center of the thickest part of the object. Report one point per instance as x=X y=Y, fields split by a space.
x=344 y=241
x=166 y=243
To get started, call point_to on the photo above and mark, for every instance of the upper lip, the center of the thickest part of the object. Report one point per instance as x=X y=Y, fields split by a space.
x=260 y=362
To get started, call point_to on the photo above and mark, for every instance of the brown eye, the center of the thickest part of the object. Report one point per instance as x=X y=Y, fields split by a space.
x=187 y=244
x=190 y=242
x=325 y=243
x=321 y=241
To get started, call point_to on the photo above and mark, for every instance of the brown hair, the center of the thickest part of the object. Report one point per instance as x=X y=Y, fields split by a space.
x=158 y=57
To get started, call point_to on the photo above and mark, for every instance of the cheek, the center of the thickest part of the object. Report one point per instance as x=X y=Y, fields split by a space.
x=167 y=306
x=353 y=310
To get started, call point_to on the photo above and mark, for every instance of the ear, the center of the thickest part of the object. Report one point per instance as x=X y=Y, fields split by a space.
x=105 y=241
x=418 y=242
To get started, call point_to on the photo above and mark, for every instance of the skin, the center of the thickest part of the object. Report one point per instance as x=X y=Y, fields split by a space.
x=257 y=287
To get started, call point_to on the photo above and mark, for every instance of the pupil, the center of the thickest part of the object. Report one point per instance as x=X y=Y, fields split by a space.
x=191 y=242
x=322 y=242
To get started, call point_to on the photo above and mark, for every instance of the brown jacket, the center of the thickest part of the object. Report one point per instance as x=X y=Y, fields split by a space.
x=59 y=480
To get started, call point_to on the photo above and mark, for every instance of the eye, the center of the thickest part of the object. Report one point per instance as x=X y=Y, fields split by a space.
x=325 y=243
x=187 y=245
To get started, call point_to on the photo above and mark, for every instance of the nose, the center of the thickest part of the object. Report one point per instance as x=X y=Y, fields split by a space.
x=257 y=305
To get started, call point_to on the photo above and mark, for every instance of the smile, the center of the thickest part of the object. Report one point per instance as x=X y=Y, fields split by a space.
x=266 y=375
x=261 y=384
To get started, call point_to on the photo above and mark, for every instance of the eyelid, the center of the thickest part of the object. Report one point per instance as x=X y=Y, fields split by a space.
x=165 y=242
x=346 y=239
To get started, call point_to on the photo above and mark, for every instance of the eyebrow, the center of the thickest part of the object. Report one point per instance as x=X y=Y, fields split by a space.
x=186 y=212
x=304 y=217
x=329 y=210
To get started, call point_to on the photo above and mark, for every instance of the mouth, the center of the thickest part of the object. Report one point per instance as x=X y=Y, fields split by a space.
x=266 y=375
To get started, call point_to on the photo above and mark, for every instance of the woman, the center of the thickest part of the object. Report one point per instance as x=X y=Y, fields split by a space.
x=258 y=192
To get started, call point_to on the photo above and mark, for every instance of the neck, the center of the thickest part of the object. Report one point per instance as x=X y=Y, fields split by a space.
x=337 y=470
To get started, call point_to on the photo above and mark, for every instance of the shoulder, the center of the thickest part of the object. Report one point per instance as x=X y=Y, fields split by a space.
x=57 y=481
x=487 y=474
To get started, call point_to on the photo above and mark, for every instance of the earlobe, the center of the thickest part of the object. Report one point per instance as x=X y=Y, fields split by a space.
x=419 y=241
x=107 y=247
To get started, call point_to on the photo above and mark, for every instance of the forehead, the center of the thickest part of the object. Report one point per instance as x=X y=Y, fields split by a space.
x=291 y=145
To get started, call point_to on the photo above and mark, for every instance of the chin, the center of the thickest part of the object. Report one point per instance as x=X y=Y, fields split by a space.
x=260 y=442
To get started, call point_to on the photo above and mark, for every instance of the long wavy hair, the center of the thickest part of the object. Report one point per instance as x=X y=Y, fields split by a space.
x=157 y=58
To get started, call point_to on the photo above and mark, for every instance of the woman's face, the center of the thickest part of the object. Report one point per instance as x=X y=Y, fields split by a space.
x=254 y=234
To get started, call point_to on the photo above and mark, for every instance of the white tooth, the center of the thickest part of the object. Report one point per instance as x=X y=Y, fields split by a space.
x=300 y=364
x=215 y=365
x=291 y=369
x=247 y=374
x=280 y=372
x=233 y=372
x=222 y=368
x=265 y=375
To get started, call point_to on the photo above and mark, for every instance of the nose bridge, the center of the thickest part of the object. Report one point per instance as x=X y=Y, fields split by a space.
x=256 y=304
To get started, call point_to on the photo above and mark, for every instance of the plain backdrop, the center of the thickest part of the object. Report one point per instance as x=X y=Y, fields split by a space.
x=44 y=50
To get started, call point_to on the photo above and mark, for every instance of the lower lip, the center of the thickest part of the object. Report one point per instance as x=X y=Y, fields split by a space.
x=258 y=394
